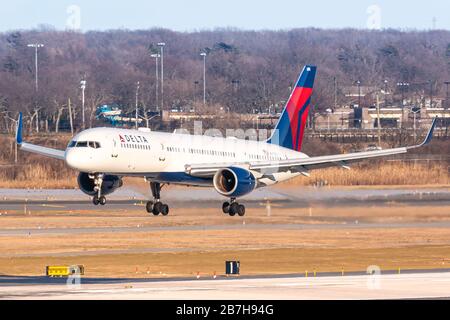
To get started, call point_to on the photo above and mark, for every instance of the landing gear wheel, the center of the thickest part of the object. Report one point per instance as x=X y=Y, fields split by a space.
x=233 y=209
x=241 y=210
x=95 y=200
x=102 y=200
x=149 y=207
x=164 y=210
x=226 y=207
x=157 y=208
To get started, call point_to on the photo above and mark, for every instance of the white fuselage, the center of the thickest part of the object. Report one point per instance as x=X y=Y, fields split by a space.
x=163 y=156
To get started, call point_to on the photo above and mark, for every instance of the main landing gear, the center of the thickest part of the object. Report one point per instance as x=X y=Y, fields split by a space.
x=232 y=208
x=156 y=206
x=98 y=198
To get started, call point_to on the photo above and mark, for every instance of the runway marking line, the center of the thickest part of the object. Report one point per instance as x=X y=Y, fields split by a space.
x=51 y=206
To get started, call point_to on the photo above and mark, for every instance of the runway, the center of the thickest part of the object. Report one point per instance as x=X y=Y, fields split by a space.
x=139 y=229
x=57 y=200
x=386 y=286
x=126 y=198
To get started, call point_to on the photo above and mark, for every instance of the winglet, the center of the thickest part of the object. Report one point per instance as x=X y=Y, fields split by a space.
x=429 y=134
x=19 y=127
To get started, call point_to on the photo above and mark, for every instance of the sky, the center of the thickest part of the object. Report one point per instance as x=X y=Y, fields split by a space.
x=193 y=15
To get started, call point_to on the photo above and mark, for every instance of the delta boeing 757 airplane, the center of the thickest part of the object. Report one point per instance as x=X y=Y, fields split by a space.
x=233 y=167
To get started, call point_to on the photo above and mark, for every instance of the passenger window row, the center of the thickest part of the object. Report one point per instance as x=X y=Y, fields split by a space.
x=206 y=152
x=136 y=146
x=270 y=156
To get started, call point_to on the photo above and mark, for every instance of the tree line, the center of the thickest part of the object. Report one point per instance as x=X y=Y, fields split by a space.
x=246 y=71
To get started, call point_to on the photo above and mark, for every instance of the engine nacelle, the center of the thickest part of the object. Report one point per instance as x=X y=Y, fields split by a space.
x=234 y=182
x=109 y=185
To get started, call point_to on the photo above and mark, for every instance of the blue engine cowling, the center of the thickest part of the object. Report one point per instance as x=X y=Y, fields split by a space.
x=234 y=182
x=109 y=185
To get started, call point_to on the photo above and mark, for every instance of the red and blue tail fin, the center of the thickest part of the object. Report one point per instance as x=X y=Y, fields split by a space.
x=290 y=128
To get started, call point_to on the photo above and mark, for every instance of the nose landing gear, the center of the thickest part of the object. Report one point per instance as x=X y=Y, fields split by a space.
x=156 y=207
x=232 y=208
x=98 y=198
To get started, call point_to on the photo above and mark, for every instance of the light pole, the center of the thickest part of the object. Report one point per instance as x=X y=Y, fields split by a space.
x=385 y=93
x=335 y=92
x=156 y=56
x=414 y=111
x=431 y=93
x=402 y=86
x=447 y=102
x=378 y=121
x=137 y=102
x=329 y=111
x=203 y=54
x=36 y=46
x=358 y=83
x=83 y=87
x=161 y=45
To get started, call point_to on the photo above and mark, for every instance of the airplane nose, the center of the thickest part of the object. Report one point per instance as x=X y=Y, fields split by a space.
x=71 y=159
x=80 y=160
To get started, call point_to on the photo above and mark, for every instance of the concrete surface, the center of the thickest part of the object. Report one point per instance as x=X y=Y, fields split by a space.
x=398 y=286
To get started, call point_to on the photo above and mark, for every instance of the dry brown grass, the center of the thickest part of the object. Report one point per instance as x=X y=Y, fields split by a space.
x=222 y=240
x=264 y=261
x=270 y=261
x=387 y=173
x=38 y=175
x=34 y=171
x=54 y=176
x=266 y=249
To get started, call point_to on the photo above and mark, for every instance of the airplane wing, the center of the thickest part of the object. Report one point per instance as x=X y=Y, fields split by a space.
x=49 y=152
x=304 y=165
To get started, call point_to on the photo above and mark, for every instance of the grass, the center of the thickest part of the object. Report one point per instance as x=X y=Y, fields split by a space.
x=34 y=171
x=53 y=175
x=268 y=249
x=264 y=261
x=38 y=176
x=386 y=173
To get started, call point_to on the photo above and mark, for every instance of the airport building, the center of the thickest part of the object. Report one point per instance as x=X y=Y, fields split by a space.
x=361 y=110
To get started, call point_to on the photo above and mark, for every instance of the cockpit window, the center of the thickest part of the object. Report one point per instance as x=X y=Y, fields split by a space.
x=84 y=144
x=94 y=144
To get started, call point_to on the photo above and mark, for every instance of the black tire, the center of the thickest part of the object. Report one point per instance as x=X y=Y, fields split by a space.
x=149 y=207
x=164 y=209
x=241 y=210
x=95 y=201
x=233 y=209
x=157 y=208
x=226 y=207
x=102 y=200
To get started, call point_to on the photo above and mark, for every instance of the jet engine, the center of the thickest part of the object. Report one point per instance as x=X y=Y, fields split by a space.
x=234 y=182
x=109 y=185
